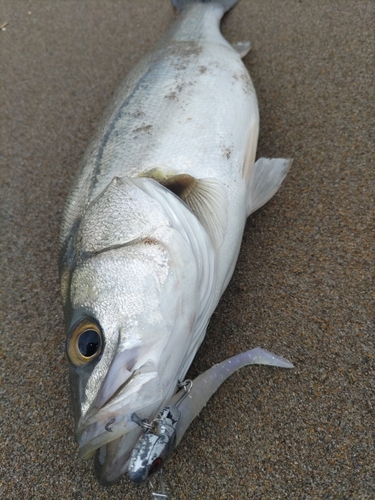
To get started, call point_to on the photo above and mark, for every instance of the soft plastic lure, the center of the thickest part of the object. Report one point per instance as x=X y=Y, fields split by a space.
x=163 y=434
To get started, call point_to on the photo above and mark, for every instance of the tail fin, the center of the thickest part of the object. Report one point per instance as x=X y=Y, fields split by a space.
x=182 y=4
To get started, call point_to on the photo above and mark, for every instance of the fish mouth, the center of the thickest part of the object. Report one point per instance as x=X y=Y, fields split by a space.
x=109 y=431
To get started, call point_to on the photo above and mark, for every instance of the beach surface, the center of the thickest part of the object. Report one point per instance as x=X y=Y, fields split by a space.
x=303 y=286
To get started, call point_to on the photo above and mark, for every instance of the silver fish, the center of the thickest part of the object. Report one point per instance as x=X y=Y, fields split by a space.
x=153 y=225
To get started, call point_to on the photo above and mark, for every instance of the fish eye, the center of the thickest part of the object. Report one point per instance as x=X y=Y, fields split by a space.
x=84 y=342
x=155 y=466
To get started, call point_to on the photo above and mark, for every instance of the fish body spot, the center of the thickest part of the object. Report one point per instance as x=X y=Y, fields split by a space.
x=143 y=128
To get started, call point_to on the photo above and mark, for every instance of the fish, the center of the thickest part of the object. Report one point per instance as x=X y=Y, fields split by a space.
x=152 y=229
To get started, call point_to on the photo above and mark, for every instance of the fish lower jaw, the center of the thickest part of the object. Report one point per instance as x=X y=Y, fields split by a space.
x=112 y=459
x=89 y=450
x=103 y=432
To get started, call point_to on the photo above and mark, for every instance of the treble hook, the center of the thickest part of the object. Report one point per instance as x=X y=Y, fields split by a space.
x=162 y=486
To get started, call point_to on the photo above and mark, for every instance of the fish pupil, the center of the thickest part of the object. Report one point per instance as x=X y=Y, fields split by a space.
x=88 y=343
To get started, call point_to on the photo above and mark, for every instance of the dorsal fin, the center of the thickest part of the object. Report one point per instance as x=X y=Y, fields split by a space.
x=207 y=200
x=242 y=48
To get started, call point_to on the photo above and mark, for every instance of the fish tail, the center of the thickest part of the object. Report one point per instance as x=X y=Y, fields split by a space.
x=225 y=4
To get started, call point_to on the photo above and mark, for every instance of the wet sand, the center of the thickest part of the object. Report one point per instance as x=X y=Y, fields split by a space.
x=303 y=287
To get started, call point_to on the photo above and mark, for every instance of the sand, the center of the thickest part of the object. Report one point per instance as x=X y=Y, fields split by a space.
x=303 y=286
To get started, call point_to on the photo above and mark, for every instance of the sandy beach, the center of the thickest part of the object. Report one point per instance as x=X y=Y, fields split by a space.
x=303 y=286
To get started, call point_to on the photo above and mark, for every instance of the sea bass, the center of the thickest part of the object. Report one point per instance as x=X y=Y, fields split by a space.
x=152 y=230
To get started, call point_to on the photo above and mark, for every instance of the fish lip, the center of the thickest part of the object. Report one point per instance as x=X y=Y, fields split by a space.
x=94 y=436
x=101 y=433
x=94 y=412
x=138 y=391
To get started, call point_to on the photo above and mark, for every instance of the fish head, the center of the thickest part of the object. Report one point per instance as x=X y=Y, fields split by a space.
x=133 y=308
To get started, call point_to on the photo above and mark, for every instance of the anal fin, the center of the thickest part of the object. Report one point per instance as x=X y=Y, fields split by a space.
x=266 y=178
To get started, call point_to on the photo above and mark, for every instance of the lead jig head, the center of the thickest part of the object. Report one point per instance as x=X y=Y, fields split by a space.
x=155 y=446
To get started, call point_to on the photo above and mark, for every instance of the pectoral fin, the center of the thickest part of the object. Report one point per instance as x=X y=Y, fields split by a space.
x=207 y=200
x=266 y=178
